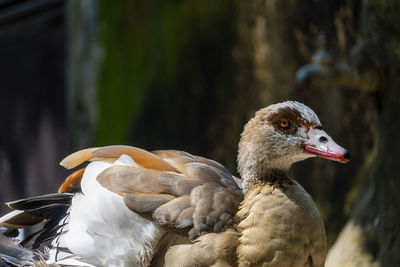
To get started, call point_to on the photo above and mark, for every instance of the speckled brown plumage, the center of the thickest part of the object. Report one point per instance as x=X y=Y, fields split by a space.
x=280 y=226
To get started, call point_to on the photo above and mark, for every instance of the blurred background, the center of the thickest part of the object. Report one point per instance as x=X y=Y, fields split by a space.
x=188 y=75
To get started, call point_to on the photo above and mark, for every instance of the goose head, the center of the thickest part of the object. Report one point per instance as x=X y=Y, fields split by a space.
x=280 y=135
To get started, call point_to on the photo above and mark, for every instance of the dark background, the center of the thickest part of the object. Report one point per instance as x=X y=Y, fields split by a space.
x=189 y=74
x=33 y=109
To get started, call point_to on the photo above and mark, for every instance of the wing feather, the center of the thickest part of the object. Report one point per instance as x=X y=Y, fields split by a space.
x=77 y=158
x=121 y=178
x=140 y=156
x=179 y=162
x=73 y=182
x=168 y=213
x=174 y=188
x=19 y=219
x=185 y=218
x=126 y=178
x=145 y=203
x=177 y=184
x=171 y=153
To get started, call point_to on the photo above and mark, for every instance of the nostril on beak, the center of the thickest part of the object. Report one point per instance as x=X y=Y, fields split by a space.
x=346 y=155
x=323 y=139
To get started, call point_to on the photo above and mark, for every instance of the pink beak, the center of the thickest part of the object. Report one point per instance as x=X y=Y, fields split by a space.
x=322 y=145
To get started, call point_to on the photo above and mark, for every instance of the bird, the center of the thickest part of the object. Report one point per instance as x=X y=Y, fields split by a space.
x=125 y=206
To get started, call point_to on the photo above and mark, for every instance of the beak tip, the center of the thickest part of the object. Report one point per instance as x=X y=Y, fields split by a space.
x=346 y=155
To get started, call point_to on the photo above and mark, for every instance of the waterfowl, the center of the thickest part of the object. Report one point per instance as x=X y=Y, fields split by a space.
x=132 y=207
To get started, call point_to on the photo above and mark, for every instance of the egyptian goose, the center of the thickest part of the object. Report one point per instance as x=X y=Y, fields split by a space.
x=131 y=207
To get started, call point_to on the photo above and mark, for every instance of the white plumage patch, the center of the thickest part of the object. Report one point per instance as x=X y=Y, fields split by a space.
x=102 y=231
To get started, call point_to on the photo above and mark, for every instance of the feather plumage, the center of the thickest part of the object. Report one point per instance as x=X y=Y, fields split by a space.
x=132 y=207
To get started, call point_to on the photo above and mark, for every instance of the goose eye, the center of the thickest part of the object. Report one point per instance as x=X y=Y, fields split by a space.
x=285 y=123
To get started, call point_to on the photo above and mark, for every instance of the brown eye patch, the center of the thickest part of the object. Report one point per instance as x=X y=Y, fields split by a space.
x=286 y=120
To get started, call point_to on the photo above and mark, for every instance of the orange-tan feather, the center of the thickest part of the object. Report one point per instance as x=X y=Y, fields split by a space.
x=73 y=182
x=140 y=156
x=77 y=158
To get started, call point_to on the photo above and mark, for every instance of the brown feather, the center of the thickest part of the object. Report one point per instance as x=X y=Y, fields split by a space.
x=211 y=163
x=168 y=240
x=215 y=208
x=200 y=171
x=130 y=179
x=110 y=160
x=185 y=218
x=179 y=162
x=210 y=173
x=73 y=182
x=126 y=178
x=169 y=212
x=140 y=156
x=208 y=250
x=177 y=184
x=172 y=154
x=77 y=158
x=142 y=202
